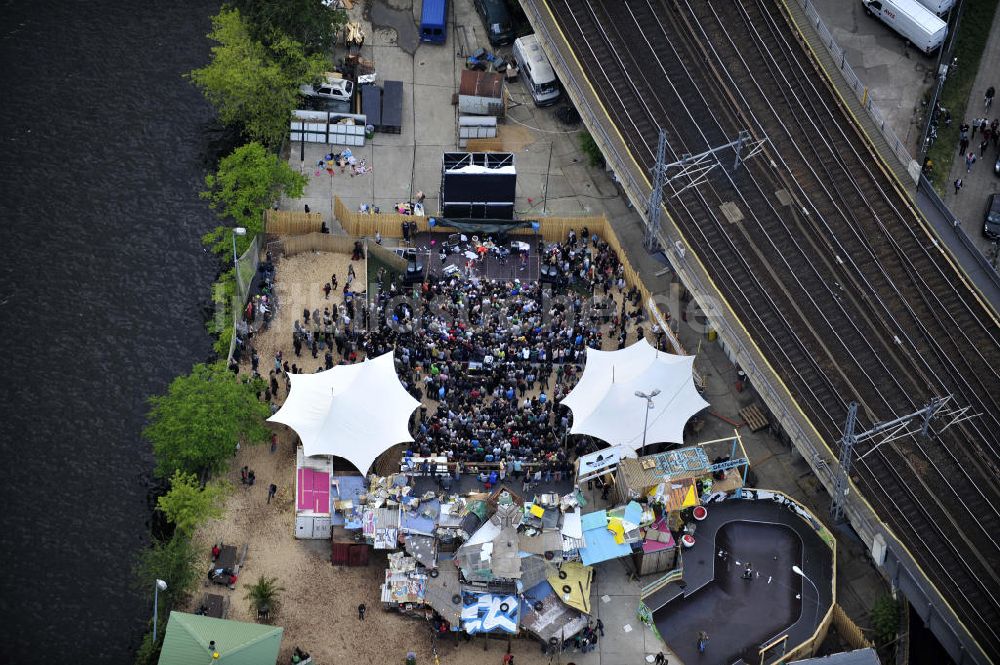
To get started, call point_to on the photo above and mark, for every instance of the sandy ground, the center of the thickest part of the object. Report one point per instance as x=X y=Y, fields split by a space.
x=319 y=608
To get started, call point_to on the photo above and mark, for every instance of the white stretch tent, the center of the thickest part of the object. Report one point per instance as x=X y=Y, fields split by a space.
x=605 y=406
x=353 y=411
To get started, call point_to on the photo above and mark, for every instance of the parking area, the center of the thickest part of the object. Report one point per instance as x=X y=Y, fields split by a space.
x=898 y=77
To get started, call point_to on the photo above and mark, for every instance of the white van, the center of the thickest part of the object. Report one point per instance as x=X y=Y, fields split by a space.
x=939 y=7
x=912 y=20
x=538 y=74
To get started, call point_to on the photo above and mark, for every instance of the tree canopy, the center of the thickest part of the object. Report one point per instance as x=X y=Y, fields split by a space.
x=176 y=562
x=252 y=85
x=188 y=504
x=248 y=180
x=195 y=426
x=307 y=21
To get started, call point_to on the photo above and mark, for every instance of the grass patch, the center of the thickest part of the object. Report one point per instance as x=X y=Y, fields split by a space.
x=973 y=33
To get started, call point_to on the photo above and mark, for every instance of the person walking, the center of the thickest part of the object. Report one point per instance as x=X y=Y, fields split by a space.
x=661 y=659
x=963 y=143
x=975 y=126
x=361 y=612
x=599 y=627
x=982 y=147
x=958 y=185
x=271 y=491
x=702 y=641
x=988 y=99
x=970 y=159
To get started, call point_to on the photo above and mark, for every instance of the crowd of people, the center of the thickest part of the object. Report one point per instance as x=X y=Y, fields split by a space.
x=490 y=360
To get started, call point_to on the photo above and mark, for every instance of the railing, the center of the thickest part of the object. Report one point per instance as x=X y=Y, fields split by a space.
x=925 y=186
x=246 y=270
x=861 y=91
x=944 y=56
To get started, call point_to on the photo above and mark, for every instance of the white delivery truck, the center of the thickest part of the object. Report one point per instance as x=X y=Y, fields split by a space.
x=917 y=24
x=539 y=76
x=939 y=7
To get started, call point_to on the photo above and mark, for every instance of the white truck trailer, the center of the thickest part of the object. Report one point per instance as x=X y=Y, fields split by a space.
x=917 y=24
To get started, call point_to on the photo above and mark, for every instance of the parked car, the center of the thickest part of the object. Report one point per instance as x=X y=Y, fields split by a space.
x=496 y=18
x=991 y=225
x=330 y=88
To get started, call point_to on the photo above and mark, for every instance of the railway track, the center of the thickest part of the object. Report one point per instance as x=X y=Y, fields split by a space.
x=841 y=288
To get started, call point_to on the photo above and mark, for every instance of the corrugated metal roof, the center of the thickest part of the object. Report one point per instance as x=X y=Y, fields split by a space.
x=442 y=589
x=547 y=541
x=505 y=560
x=188 y=635
x=480 y=84
x=857 y=657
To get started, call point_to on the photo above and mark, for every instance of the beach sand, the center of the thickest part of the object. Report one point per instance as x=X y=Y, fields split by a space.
x=319 y=604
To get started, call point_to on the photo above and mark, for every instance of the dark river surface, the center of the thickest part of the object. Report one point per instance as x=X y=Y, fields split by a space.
x=102 y=284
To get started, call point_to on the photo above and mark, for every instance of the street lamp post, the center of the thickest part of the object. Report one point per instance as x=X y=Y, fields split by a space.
x=157 y=588
x=238 y=231
x=798 y=571
x=649 y=407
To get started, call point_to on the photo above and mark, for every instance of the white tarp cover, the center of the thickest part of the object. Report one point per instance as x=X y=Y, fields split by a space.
x=353 y=411
x=605 y=406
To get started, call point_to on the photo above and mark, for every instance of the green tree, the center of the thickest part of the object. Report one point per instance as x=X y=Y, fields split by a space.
x=591 y=149
x=247 y=181
x=885 y=619
x=188 y=504
x=253 y=86
x=310 y=22
x=263 y=594
x=195 y=426
x=174 y=561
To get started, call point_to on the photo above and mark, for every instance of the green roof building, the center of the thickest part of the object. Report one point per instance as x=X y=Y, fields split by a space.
x=188 y=636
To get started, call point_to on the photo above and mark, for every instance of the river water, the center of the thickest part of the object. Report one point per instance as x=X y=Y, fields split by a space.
x=102 y=284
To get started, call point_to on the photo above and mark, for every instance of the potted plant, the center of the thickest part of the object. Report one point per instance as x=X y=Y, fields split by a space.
x=263 y=596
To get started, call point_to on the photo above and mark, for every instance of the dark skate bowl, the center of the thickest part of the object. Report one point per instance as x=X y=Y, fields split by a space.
x=740 y=615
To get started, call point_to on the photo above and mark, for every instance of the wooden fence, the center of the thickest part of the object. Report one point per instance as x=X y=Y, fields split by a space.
x=285 y=222
x=849 y=630
x=316 y=242
x=388 y=257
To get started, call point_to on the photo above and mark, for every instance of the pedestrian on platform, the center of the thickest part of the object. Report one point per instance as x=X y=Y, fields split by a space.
x=970 y=160
x=958 y=185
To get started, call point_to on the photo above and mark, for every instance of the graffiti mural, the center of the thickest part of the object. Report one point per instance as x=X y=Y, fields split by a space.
x=487 y=613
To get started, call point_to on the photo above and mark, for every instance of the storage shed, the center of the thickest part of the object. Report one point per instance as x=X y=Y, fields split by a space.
x=313 y=517
x=481 y=93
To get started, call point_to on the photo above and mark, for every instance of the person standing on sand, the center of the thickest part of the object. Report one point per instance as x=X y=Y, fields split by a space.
x=361 y=612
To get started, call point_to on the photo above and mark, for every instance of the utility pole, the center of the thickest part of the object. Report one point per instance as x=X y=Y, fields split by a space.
x=696 y=167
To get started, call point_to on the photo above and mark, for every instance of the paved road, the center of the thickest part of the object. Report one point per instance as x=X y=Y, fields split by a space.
x=970 y=203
